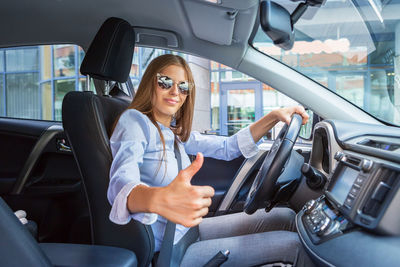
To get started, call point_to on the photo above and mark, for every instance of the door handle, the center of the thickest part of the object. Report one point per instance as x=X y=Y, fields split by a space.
x=62 y=145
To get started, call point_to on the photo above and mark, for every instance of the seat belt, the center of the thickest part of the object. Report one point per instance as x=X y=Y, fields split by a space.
x=170 y=255
x=167 y=246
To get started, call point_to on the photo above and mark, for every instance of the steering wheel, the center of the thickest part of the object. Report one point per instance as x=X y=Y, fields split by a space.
x=262 y=191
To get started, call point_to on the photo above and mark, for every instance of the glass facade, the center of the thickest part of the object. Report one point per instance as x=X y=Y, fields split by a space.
x=18 y=60
x=22 y=93
x=35 y=79
x=241 y=109
x=237 y=100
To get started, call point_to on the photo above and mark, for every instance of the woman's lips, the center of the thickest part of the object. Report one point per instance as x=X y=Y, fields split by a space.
x=171 y=101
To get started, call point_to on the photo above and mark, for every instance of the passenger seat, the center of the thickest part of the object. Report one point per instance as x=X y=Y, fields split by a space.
x=19 y=248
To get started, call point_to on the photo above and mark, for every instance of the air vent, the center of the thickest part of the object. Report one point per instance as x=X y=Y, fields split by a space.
x=385 y=179
x=379 y=144
x=353 y=161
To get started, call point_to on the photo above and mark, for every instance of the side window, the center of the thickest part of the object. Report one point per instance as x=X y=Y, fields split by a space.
x=226 y=100
x=238 y=100
x=35 y=79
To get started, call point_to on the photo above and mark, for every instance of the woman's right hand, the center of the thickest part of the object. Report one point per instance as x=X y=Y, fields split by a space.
x=180 y=201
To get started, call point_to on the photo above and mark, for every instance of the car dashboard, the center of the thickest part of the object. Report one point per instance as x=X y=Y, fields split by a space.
x=356 y=222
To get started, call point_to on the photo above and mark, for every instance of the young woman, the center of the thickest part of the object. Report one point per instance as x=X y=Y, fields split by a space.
x=145 y=184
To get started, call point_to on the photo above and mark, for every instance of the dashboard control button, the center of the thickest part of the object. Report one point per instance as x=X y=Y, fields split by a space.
x=323 y=226
x=314 y=212
x=354 y=190
x=309 y=206
x=349 y=201
x=366 y=165
x=380 y=192
x=360 y=180
x=339 y=155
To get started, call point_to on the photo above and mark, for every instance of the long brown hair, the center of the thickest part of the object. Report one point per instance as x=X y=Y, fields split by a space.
x=147 y=89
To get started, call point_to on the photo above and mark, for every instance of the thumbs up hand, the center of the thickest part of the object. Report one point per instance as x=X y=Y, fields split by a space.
x=180 y=201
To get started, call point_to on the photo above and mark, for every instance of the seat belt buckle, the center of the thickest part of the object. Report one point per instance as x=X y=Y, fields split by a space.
x=218 y=259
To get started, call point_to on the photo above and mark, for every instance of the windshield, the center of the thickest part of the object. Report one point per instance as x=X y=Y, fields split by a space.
x=351 y=48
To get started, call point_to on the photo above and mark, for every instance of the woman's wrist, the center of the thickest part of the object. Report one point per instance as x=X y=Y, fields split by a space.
x=155 y=199
x=263 y=125
x=274 y=117
x=144 y=199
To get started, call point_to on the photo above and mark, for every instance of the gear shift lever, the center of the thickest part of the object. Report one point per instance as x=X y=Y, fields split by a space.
x=315 y=179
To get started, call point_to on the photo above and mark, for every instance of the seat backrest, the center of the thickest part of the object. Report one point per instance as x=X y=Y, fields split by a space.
x=17 y=246
x=87 y=120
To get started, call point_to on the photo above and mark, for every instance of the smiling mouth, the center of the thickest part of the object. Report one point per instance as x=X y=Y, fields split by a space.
x=172 y=102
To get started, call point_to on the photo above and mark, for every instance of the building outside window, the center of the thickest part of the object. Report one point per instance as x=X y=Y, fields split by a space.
x=35 y=79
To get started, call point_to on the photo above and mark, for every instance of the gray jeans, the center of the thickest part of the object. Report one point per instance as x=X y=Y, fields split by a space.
x=252 y=240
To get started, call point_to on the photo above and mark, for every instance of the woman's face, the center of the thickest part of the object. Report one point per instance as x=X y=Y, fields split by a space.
x=166 y=102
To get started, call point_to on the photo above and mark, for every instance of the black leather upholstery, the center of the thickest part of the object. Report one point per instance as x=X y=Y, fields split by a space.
x=17 y=246
x=87 y=120
x=109 y=56
x=87 y=255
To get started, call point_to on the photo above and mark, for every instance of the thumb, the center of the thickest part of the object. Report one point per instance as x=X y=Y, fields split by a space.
x=195 y=166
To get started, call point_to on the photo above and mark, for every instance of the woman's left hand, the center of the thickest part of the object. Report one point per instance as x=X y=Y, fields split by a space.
x=285 y=114
x=263 y=125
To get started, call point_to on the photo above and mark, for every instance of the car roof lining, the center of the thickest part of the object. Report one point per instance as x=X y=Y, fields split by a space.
x=74 y=21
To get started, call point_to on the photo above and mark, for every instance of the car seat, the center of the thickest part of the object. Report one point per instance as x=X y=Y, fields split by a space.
x=19 y=248
x=87 y=120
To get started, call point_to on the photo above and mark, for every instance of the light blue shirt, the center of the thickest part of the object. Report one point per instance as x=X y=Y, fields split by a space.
x=137 y=151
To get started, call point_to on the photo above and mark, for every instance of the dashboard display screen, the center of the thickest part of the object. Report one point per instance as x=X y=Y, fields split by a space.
x=343 y=184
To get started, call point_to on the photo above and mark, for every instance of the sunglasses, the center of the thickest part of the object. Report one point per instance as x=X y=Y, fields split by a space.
x=166 y=83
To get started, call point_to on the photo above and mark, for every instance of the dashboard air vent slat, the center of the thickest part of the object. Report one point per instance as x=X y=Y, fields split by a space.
x=353 y=161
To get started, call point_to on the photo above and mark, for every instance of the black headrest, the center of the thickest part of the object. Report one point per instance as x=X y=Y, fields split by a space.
x=109 y=56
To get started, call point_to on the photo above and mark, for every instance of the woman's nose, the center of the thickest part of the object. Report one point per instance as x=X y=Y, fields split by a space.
x=174 y=89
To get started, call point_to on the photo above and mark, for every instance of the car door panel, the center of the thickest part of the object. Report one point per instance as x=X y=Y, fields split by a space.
x=17 y=138
x=41 y=177
x=219 y=174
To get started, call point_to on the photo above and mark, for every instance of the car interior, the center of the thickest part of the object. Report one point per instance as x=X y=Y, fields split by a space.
x=341 y=177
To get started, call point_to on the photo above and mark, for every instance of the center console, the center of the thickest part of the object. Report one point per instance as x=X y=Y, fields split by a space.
x=362 y=193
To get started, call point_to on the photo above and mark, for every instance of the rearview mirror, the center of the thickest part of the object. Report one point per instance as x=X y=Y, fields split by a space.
x=277 y=24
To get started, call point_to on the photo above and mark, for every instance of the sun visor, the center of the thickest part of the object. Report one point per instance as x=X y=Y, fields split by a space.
x=219 y=25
